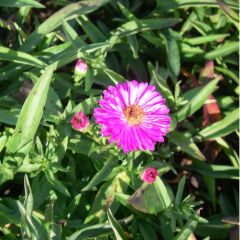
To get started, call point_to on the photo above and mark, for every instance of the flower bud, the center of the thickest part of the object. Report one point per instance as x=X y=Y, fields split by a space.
x=81 y=67
x=80 y=122
x=149 y=175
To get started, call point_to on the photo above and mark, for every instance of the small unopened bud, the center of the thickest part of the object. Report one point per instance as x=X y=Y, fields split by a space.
x=149 y=175
x=80 y=71
x=81 y=67
x=80 y=122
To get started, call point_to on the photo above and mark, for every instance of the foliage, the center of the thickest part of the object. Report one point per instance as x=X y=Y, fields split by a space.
x=57 y=183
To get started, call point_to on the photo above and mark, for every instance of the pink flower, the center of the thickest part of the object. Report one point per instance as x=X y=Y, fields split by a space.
x=133 y=115
x=80 y=67
x=80 y=122
x=149 y=175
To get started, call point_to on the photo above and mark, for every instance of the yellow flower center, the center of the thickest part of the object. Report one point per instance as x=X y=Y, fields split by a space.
x=134 y=114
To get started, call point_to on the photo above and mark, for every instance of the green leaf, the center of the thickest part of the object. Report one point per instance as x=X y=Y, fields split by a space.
x=21 y=3
x=91 y=232
x=186 y=145
x=87 y=105
x=173 y=56
x=89 y=80
x=28 y=227
x=231 y=15
x=73 y=37
x=8 y=117
x=222 y=51
x=150 y=198
x=69 y=12
x=180 y=189
x=211 y=183
x=222 y=127
x=3 y=141
x=173 y=4
x=106 y=195
x=28 y=202
x=29 y=119
x=93 y=33
x=102 y=174
x=116 y=227
x=8 y=54
x=216 y=171
x=147 y=230
x=133 y=27
x=215 y=229
x=204 y=39
x=56 y=183
x=188 y=228
x=197 y=101
x=229 y=151
x=115 y=77
x=160 y=82
x=31 y=113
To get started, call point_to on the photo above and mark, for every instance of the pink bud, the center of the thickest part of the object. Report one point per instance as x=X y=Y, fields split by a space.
x=80 y=122
x=80 y=67
x=149 y=175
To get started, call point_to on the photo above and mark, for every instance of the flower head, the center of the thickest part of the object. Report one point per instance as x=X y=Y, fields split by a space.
x=80 y=67
x=149 y=175
x=134 y=115
x=80 y=122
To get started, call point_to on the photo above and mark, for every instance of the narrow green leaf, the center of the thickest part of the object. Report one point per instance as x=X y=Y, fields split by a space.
x=106 y=195
x=8 y=117
x=224 y=50
x=204 y=39
x=89 y=80
x=28 y=202
x=197 y=101
x=69 y=12
x=173 y=56
x=8 y=54
x=117 y=229
x=93 y=33
x=91 y=232
x=3 y=141
x=232 y=15
x=216 y=171
x=73 y=37
x=102 y=174
x=229 y=151
x=56 y=183
x=87 y=105
x=28 y=228
x=188 y=228
x=133 y=27
x=21 y=3
x=222 y=127
x=180 y=189
x=31 y=113
x=147 y=230
x=115 y=77
x=186 y=145
x=161 y=84
x=173 y=4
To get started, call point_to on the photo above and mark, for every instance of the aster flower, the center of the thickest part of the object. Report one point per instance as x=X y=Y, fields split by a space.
x=80 y=122
x=149 y=175
x=133 y=115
